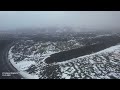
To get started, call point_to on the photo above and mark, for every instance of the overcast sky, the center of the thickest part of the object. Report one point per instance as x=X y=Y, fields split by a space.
x=92 y=19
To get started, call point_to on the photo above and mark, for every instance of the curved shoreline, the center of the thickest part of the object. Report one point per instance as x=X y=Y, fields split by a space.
x=10 y=65
x=22 y=74
x=79 y=57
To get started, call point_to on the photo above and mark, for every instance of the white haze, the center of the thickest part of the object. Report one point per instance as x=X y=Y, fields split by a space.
x=85 y=19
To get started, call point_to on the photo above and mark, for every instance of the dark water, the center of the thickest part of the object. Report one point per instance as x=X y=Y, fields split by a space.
x=104 y=42
x=3 y=45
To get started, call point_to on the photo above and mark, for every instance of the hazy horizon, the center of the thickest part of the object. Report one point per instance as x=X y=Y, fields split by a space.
x=10 y=20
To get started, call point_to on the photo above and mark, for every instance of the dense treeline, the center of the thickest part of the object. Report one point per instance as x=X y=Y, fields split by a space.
x=60 y=37
x=104 y=42
x=48 y=38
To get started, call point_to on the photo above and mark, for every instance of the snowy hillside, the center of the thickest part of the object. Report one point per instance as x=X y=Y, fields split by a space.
x=29 y=56
x=103 y=64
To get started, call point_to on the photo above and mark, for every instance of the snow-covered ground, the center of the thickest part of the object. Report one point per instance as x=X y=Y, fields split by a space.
x=104 y=64
x=22 y=66
x=94 y=66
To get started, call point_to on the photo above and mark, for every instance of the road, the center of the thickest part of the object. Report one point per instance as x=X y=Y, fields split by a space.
x=5 y=65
